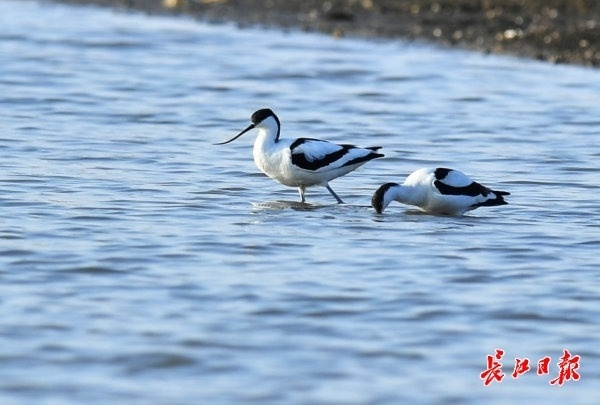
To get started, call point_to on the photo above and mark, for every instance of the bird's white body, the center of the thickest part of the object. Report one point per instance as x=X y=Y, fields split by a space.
x=274 y=158
x=302 y=162
x=438 y=191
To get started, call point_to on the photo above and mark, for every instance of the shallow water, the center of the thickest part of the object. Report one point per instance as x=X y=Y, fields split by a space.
x=140 y=263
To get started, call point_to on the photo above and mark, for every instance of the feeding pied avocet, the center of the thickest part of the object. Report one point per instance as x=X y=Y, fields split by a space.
x=438 y=191
x=302 y=162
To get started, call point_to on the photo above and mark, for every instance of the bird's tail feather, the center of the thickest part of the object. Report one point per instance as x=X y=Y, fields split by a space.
x=492 y=202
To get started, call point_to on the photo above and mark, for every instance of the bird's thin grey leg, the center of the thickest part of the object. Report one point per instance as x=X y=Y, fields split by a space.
x=339 y=200
x=301 y=192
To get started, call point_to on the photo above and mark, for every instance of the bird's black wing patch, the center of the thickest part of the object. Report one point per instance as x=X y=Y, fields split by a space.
x=499 y=200
x=472 y=190
x=299 y=159
x=441 y=173
x=366 y=158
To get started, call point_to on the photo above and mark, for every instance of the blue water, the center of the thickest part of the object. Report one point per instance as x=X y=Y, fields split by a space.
x=139 y=263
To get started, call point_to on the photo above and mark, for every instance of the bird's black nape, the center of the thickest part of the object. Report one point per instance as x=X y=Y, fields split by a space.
x=258 y=117
x=262 y=114
x=378 y=196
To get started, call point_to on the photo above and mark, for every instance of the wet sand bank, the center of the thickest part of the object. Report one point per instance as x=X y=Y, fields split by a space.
x=558 y=31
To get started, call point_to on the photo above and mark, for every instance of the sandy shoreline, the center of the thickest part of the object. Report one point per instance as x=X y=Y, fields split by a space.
x=559 y=31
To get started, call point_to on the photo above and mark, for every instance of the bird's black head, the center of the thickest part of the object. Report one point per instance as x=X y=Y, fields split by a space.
x=261 y=115
x=378 y=201
x=257 y=118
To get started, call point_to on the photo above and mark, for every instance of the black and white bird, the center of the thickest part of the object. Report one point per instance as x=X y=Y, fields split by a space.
x=438 y=191
x=302 y=162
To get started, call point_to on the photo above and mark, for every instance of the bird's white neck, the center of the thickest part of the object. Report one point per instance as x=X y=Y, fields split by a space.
x=266 y=147
x=405 y=194
x=266 y=141
x=268 y=132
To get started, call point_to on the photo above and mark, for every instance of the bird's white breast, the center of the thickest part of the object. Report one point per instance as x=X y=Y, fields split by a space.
x=273 y=159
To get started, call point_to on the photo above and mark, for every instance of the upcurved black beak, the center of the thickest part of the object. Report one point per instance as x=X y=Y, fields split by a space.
x=237 y=136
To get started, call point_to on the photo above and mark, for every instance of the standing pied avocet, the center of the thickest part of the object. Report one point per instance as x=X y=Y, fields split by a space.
x=438 y=191
x=302 y=162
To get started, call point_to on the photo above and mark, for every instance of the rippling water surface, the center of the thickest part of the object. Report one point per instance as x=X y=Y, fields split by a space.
x=141 y=264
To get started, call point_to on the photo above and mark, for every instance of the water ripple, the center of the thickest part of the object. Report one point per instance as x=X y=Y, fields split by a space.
x=139 y=259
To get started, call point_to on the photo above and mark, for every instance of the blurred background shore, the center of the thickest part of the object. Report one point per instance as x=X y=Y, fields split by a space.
x=558 y=31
